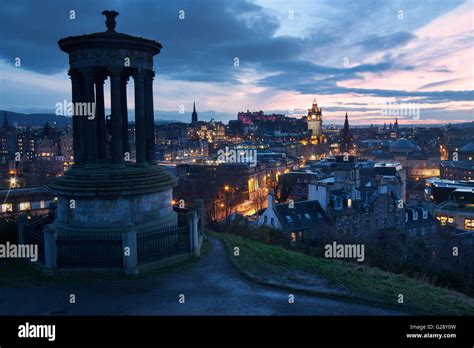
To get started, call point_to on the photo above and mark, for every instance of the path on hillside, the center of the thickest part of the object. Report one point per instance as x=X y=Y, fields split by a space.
x=212 y=286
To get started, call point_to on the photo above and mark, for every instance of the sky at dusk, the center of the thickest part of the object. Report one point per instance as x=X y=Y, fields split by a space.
x=352 y=56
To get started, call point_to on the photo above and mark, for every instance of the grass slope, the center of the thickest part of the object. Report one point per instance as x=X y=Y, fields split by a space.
x=366 y=284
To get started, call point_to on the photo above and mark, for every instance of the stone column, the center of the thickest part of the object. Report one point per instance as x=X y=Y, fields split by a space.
x=150 y=119
x=116 y=103
x=50 y=249
x=129 y=246
x=193 y=233
x=100 y=118
x=140 y=132
x=123 y=91
x=78 y=141
x=90 y=122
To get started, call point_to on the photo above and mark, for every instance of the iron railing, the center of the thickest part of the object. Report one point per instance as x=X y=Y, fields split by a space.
x=158 y=244
x=89 y=251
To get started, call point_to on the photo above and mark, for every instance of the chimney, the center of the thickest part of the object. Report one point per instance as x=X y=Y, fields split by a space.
x=271 y=199
x=312 y=192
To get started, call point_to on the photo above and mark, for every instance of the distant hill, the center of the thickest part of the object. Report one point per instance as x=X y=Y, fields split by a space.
x=463 y=125
x=34 y=120
x=39 y=120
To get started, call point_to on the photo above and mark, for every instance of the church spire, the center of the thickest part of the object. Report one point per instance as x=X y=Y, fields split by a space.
x=345 y=131
x=194 y=116
x=395 y=128
x=346 y=141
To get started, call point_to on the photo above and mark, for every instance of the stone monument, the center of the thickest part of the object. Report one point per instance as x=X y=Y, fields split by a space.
x=104 y=191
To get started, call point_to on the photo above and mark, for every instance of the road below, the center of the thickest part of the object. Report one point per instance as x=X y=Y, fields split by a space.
x=211 y=286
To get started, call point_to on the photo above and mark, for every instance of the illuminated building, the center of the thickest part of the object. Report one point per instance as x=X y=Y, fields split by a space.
x=302 y=220
x=211 y=131
x=394 y=132
x=466 y=153
x=315 y=123
x=460 y=167
x=457 y=170
x=358 y=197
x=419 y=164
x=33 y=200
x=458 y=210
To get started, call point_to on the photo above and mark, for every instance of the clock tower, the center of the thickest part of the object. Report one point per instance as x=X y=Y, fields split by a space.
x=315 y=123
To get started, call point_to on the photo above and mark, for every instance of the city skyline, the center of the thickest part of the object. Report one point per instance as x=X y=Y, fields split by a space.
x=211 y=175
x=427 y=47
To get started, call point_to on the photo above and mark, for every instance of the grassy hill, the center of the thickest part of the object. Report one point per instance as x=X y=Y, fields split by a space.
x=362 y=283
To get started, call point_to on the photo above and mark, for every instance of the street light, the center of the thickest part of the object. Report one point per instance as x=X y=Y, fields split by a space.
x=13 y=182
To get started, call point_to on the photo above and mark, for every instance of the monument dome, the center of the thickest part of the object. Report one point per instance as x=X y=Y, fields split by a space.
x=402 y=146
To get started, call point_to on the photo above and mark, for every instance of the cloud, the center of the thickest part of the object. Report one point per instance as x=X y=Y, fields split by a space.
x=439 y=83
x=358 y=50
x=381 y=43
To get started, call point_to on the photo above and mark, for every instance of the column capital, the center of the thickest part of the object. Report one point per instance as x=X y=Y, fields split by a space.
x=115 y=71
x=149 y=78
x=88 y=73
x=125 y=78
x=100 y=78
x=73 y=73
x=139 y=74
x=150 y=75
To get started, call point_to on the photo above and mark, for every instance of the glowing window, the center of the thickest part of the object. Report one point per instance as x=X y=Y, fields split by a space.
x=7 y=207
x=469 y=224
x=25 y=205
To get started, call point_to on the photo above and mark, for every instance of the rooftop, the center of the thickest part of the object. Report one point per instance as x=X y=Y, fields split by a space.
x=304 y=215
x=402 y=145
x=468 y=148
x=458 y=164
